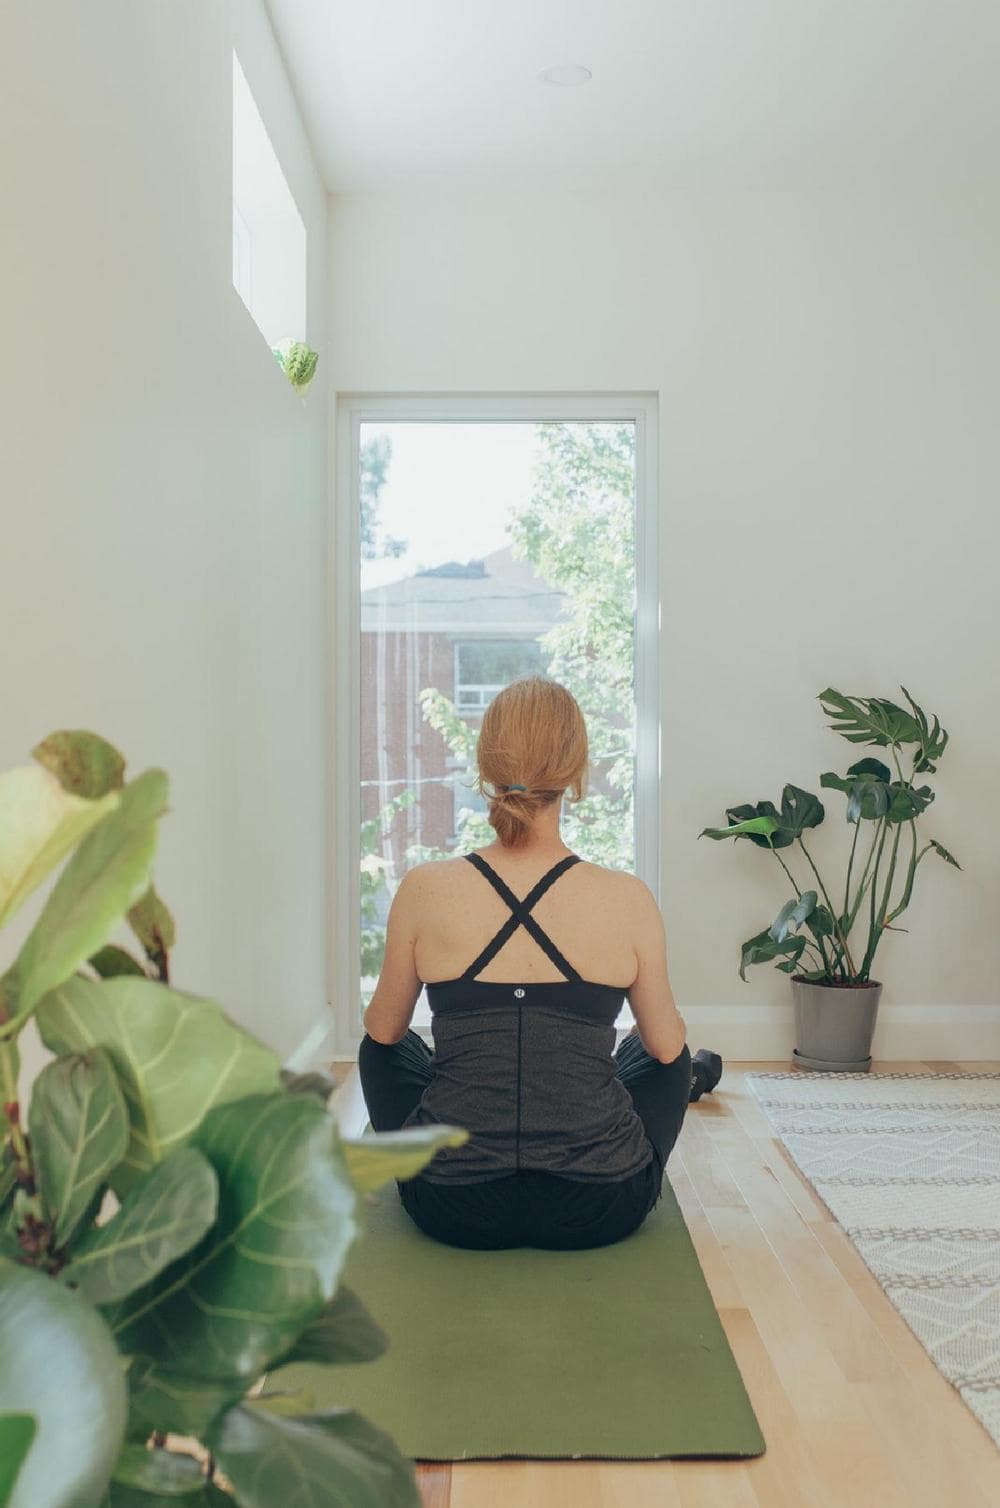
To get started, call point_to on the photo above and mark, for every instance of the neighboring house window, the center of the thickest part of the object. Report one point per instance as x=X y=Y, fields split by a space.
x=485 y=666
x=269 y=238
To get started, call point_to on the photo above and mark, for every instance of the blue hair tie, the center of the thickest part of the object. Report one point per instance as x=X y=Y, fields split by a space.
x=517 y=788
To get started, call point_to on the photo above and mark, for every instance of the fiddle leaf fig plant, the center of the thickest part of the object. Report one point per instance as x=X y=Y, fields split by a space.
x=174 y=1210
x=813 y=936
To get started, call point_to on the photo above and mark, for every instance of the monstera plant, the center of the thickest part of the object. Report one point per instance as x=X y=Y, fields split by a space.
x=827 y=936
x=174 y=1213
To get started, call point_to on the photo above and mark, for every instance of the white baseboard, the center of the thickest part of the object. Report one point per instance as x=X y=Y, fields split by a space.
x=902 y=1031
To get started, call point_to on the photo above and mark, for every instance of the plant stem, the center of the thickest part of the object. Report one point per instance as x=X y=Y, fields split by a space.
x=842 y=939
x=850 y=865
x=872 y=933
x=863 y=886
x=12 y=1114
x=828 y=967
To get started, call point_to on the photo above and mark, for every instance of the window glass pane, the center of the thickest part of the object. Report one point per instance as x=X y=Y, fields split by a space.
x=488 y=552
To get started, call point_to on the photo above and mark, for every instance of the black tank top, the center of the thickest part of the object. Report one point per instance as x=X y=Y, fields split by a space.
x=527 y=1068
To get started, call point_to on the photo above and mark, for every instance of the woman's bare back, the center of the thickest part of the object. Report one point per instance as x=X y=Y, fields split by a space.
x=590 y=913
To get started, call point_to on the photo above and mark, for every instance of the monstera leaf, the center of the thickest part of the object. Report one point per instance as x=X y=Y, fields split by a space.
x=311 y=1461
x=58 y=1364
x=758 y=826
x=39 y=823
x=792 y=915
x=271 y=1261
x=83 y=763
x=175 y=1056
x=79 y=1132
x=161 y=1217
x=873 y=720
x=109 y=869
x=765 y=949
x=764 y=825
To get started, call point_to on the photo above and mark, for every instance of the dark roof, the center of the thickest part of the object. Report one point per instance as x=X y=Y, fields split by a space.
x=499 y=594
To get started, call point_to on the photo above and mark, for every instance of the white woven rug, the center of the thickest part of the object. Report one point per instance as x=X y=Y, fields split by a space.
x=909 y=1165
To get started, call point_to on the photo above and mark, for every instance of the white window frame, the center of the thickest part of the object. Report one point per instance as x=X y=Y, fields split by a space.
x=353 y=410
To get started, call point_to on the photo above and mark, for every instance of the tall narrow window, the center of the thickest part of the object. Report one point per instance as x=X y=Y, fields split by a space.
x=488 y=551
x=269 y=238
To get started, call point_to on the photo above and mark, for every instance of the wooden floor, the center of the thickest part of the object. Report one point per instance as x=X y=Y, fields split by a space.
x=854 y=1413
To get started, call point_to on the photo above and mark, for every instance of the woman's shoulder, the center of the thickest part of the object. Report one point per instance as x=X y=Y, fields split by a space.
x=431 y=877
x=620 y=882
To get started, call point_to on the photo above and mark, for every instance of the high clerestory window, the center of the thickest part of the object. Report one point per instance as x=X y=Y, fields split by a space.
x=269 y=237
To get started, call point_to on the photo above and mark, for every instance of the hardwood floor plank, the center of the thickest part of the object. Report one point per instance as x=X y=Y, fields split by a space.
x=434 y=1481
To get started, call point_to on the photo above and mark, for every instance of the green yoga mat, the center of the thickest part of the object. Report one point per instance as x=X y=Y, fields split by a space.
x=612 y=1353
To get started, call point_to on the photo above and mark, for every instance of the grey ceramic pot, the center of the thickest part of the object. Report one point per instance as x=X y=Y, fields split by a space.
x=834 y=1027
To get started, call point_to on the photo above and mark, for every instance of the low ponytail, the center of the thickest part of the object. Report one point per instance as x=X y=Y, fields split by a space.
x=532 y=748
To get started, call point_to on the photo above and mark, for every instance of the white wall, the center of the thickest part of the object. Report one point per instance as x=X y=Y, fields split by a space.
x=163 y=488
x=827 y=373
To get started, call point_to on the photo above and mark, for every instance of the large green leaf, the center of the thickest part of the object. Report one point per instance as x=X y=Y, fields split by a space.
x=866 y=786
x=39 y=824
x=765 y=949
x=16 y=1434
x=169 y=1472
x=869 y=720
x=747 y=817
x=59 y=1364
x=83 y=763
x=207 y=1495
x=764 y=825
x=162 y=1399
x=377 y=1159
x=161 y=1217
x=799 y=809
x=792 y=914
x=343 y=1334
x=79 y=1133
x=933 y=739
x=907 y=801
x=336 y=1459
x=272 y=1259
x=111 y=961
x=109 y=869
x=760 y=827
x=176 y=1057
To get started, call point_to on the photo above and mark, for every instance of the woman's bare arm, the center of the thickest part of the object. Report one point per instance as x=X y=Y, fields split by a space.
x=661 y=1026
x=390 y=1010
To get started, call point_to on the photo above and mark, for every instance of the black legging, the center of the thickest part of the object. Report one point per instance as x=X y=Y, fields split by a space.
x=527 y=1208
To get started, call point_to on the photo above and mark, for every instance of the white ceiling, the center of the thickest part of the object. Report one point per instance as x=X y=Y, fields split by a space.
x=779 y=91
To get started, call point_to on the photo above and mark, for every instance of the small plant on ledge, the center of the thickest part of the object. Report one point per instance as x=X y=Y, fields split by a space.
x=297 y=362
x=174 y=1215
x=814 y=936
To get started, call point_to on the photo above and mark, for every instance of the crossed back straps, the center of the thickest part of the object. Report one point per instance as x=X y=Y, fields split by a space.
x=521 y=916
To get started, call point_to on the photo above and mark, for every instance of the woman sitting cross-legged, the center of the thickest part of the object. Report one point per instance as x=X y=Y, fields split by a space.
x=527 y=954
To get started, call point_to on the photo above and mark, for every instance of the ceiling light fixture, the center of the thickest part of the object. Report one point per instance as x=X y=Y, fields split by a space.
x=566 y=75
